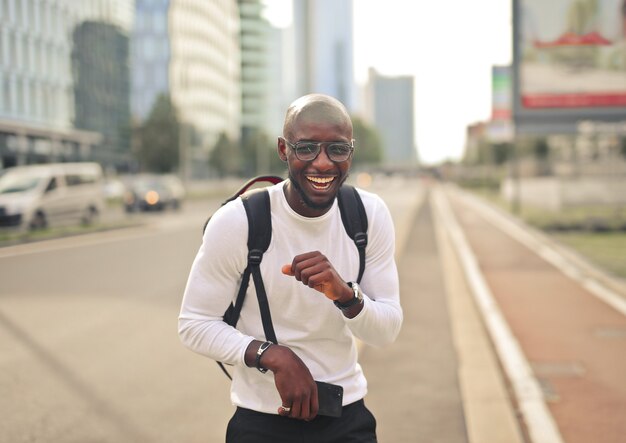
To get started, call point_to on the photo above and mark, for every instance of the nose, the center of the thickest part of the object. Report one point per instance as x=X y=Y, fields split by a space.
x=322 y=161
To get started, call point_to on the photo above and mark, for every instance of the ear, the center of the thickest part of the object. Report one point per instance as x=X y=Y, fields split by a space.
x=282 y=149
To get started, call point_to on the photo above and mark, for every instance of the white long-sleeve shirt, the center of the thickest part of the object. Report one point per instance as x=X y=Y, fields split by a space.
x=303 y=318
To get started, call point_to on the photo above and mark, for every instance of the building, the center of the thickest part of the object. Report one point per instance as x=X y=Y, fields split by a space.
x=255 y=34
x=324 y=49
x=100 y=66
x=190 y=51
x=38 y=80
x=390 y=108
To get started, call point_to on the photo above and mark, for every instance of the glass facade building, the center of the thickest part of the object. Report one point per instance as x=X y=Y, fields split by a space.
x=189 y=50
x=38 y=87
x=324 y=48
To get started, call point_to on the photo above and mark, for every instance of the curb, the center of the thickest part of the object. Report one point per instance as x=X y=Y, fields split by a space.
x=599 y=283
x=536 y=416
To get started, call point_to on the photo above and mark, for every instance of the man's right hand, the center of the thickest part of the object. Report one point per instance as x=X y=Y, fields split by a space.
x=293 y=380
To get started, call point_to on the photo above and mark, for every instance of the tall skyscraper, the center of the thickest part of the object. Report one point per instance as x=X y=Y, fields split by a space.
x=390 y=109
x=254 y=40
x=324 y=49
x=39 y=86
x=190 y=51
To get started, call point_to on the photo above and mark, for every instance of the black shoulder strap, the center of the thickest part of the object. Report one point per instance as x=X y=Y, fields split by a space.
x=354 y=221
x=259 y=215
x=258 y=211
x=273 y=179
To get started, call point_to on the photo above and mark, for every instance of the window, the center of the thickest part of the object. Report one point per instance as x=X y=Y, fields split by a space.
x=25 y=53
x=52 y=185
x=12 y=49
x=19 y=92
x=3 y=10
x=32 y=98
x=6 y=92
x=17 y=18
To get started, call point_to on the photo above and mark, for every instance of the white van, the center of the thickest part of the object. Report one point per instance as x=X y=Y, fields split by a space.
x=36 y=196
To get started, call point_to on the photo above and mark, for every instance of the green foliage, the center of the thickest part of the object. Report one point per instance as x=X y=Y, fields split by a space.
x=158 y=146
x=501 y=153
x=541 y=149
x=254 y=156
x=491 y=153
x=260 y=156
x=367 y=143
x=604 y=249
x=225 y=157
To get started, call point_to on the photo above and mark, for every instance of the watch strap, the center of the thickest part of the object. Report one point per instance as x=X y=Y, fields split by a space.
x=355 y=300
x=257 y=362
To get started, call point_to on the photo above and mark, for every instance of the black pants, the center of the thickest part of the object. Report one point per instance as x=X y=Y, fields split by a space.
x=356 y=425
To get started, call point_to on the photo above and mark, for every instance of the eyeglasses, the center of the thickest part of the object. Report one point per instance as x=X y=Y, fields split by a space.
x=307 y=151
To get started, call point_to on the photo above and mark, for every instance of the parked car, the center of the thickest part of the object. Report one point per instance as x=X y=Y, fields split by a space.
x=153 y=193
x=36 y=196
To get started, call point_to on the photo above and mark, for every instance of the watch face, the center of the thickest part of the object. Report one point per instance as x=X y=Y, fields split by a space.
x=357 y=291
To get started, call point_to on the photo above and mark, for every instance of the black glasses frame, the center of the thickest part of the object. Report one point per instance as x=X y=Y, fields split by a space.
x=295 y=148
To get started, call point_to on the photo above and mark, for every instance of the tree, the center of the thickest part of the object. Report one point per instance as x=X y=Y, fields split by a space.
x=541 y=149
x=158 y=144
x=501 y=152
x=368 y=150
x=225 y=157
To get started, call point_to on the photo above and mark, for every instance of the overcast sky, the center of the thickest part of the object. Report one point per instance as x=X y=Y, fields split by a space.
x=449 y=47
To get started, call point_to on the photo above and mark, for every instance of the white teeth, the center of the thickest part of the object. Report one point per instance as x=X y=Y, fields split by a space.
x=321 y=180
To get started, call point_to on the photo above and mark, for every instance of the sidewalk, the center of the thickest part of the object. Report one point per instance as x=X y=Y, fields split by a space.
x=507 y=336
x=558 y=329
x=440 y=381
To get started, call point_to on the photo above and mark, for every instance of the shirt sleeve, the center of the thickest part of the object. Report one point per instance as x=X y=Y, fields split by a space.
x=212 y=285
x=380 y=320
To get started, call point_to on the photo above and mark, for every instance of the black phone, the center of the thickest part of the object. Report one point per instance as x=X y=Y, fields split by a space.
x=330 y=399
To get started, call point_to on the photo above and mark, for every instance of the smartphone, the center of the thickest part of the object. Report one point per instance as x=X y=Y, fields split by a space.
x=330 y=399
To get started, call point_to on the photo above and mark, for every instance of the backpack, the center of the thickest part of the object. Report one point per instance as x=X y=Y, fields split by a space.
x=257 y=205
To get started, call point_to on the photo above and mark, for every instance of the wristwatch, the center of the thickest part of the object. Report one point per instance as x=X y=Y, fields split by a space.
x=358 y=297
x=257 y=362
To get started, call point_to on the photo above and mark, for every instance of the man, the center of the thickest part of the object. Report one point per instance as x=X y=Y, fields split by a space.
x=311 y=263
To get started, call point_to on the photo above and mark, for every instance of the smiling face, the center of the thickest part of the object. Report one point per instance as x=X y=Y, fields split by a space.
x=313 y=185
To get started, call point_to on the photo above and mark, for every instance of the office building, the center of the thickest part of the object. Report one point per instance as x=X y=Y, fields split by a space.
x=190 y=51
x=390 y=108
x=255 y=34
x=324 y=49
x=38 y=80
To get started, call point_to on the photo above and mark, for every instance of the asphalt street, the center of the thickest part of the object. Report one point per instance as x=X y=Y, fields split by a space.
x=501 y=341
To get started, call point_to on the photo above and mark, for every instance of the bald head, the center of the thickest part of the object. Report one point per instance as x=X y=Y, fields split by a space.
x=319 y=108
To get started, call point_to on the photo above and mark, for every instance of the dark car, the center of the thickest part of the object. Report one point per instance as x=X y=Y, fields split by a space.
x=153 y=193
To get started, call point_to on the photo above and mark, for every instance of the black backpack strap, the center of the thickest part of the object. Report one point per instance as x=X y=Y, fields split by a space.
x=273 y=179
x=258 y=211
x=257 y=205
x=354 y=221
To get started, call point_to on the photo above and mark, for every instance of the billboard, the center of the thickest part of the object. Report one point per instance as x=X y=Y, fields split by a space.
x=500 y=127
x=501 y=92
x=569 y=62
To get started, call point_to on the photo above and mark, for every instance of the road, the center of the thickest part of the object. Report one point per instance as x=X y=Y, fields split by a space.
x=89 y=349
x=89 y=344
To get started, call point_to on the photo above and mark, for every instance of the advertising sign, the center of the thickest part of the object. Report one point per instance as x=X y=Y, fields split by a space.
x=501 y=92
x=569 y=64
x=572 y=53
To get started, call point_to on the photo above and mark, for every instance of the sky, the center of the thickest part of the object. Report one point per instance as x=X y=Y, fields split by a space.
x=448 y=46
